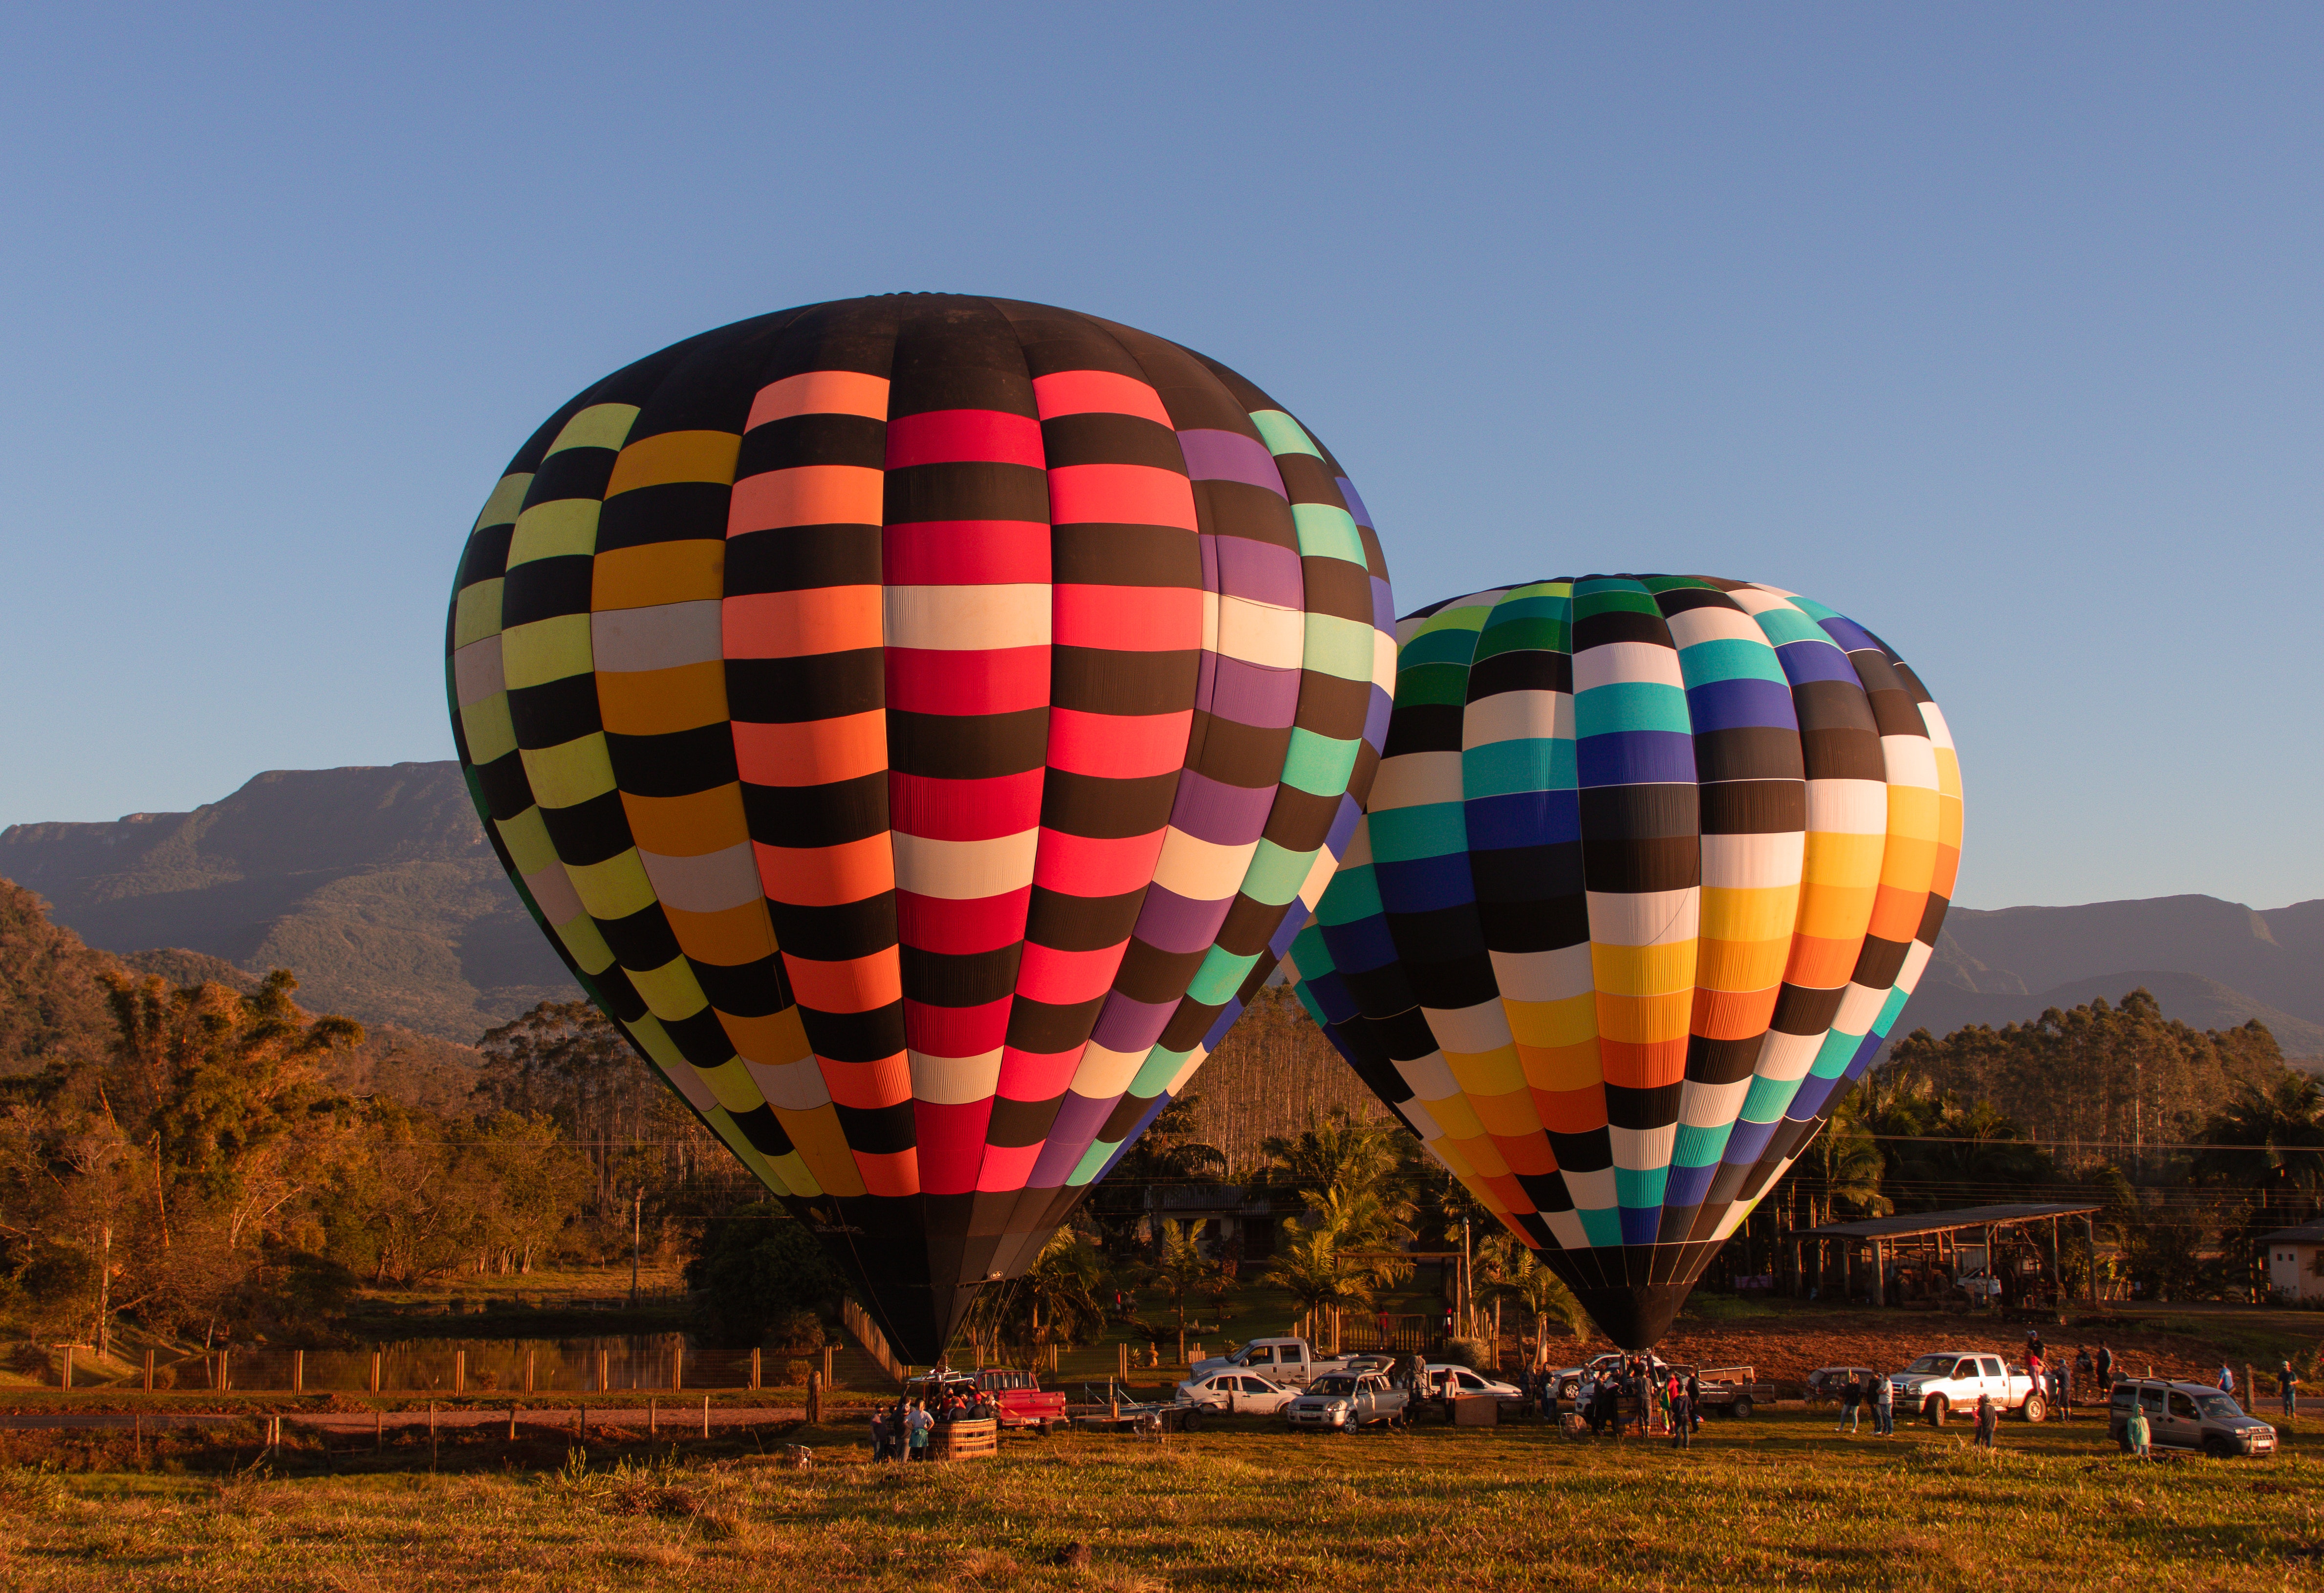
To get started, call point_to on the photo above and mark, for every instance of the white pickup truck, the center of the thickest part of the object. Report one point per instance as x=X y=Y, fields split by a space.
x=1945 y=1381
x=1286 y=1361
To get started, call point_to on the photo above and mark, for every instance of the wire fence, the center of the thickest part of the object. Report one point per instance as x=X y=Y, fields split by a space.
x=641 y=1363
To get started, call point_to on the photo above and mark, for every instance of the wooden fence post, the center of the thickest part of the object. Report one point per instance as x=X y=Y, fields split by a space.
x=459 y=1371
x=298 y=1371
x=653 y=1416
x=375 y=1356
x=225 y=1371
x=828 y=1351
x=149 y=1369
x=677 y=1366
x=755 y=1368
x=601 y=1371
x=815 y=1399
x=67 y=1366
x=1121 y=1360
x=705 y=1415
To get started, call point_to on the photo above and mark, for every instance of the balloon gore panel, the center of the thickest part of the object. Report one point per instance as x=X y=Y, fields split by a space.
x=919 y=722
x=1651 y=865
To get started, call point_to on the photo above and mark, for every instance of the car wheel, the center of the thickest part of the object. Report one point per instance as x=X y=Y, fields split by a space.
x=1191 y=1420
x=1741 y=1407
x=1935 y=1410
x=2217 y=1448
x=2033 y=1410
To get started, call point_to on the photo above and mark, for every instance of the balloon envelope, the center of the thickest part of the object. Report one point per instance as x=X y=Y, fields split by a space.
x=915 y=720
x=1650 y=866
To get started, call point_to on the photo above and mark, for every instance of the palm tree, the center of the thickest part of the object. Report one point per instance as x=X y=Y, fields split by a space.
x=1340 y=1151
x=1059 y=1298
x=1510 y=1271
x=1310 y=1270
x=1181 y=1270
x=2283 y=1125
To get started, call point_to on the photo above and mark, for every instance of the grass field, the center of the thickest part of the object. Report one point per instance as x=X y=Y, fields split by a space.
x=1779 y=1500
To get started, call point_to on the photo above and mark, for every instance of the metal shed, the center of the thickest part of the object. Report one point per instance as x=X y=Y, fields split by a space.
x=1944 y=1229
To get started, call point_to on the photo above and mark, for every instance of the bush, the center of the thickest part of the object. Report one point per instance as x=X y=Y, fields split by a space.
x=797 y=1372
x=1472 y=1353
x=761 y=1268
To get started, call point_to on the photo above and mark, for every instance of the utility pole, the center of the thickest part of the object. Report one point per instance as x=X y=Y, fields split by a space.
x=104 y=1296
x=637 y=1220
x=1468 y=1328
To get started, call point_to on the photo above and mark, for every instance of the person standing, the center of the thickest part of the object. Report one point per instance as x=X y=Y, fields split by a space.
x=2227 y=1379
x=2136 y=1433
x=2287 y=1383
x=1851 y=1403
x=1988 y=1421
x=1682 y=1417
x=1694 y=1401
x=2106 y=1372
x=922 y=1422
x=2062 y=1390
x=2084 y=1372
x=1884 y=1404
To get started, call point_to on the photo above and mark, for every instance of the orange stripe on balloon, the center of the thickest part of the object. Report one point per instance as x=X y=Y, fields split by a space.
x=820 y=393
x=1097 y=392
x=867 y=1086
x=894 y=1175
x=1643 y=1065
x=796 y=624
x=815 y=752
x=1733 y=1015
x=857 y=984
x=826 y=876
x=807 y=495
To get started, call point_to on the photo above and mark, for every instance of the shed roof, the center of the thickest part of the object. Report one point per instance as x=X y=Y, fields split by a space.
x=2307 y=1233
x=1921 y=1223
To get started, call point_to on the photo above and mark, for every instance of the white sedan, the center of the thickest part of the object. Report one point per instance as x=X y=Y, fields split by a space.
x=1236 y=1393
x=1461 y=1383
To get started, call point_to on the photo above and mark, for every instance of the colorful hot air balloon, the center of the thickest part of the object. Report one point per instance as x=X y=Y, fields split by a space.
x=913 y=719
x=1652 y=864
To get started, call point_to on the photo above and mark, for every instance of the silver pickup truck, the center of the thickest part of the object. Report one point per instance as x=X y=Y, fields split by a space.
x=1341 y=1402
x=1945 y=1381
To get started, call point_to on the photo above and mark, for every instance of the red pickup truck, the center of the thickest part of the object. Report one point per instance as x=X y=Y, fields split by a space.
x=1016 y=1397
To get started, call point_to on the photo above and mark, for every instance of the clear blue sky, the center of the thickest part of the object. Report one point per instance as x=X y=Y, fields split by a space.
x=1997 y=328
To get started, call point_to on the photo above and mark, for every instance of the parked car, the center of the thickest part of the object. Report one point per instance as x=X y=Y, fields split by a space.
x=1569 y=1379
x=1279 y=1360
x=2188 y=1417
x=1734 y=1390
x=1341 y=1402
x=1827 y=1382
x=1238 y=1394
x=1947 y=1380
x=1449 y=1381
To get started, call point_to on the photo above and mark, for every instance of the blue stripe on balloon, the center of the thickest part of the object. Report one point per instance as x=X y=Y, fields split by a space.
x=1748 y=1142
x=1816 y=660
x=1688 y=1185
x=1741 y=704
x=1637 y=758
x=1426 y=884
x=1850 y=635
x=1642 y=1226
x=1524 y=818
x=1361 y=946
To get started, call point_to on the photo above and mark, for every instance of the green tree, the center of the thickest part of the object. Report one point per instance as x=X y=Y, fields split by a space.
x=760 y=1270
x=1308 y=1266
x=1179 y=1268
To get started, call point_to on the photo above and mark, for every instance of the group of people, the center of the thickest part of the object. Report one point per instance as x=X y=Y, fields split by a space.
x=904 y=1430
x=1873 y=1389
x=1659 y=1398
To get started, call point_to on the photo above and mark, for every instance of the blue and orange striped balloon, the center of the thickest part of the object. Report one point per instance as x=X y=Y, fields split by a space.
x=1651 y=865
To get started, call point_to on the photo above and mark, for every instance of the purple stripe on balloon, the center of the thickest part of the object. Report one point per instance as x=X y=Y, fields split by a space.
x=1260 y=571
x=1343 y=826
x=1169 y=922
x=1253 y=694
x=1225 y=815
x=1355 y=504
x=1383 y=607
x=1078 y=1120
x=1130 y=1026
x=1852 y=636
x=1376 y=719
x=1229 y=455
x=1810 y=1101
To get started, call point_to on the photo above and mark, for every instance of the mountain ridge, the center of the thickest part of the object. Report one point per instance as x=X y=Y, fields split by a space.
x=376 y=885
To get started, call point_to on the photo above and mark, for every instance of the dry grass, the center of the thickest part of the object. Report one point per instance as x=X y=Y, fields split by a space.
x=1777 y=1500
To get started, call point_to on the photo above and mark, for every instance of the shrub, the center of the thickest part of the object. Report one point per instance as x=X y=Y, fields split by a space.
x=1472 y=1353
x=797 y=1372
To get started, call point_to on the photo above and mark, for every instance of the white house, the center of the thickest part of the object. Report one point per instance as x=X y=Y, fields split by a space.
x=2293 y=1267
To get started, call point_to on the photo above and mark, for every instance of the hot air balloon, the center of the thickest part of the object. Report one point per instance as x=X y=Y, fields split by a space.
x=1650 y=866
x=915 y=721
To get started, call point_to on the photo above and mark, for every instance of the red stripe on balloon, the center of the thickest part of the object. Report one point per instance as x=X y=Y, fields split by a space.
x=961 y=436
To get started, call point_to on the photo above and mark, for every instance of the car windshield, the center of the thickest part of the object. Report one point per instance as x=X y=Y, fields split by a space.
x=1933 y=1363
x=2218 y=1407
x=1335 y=1386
